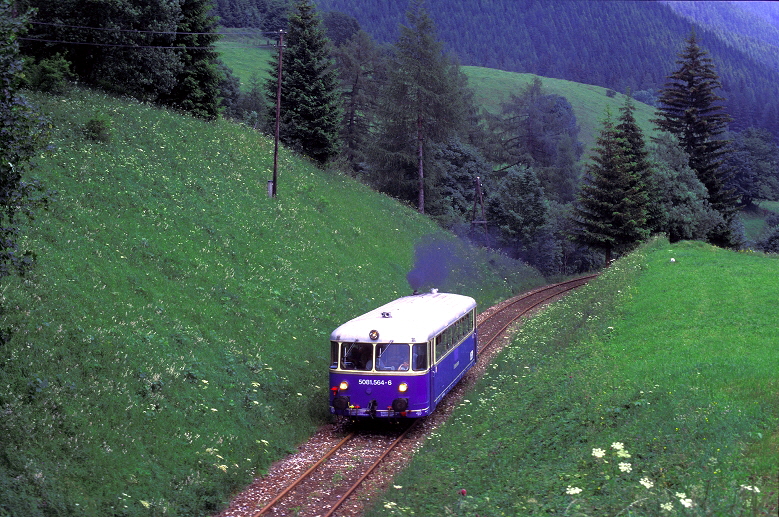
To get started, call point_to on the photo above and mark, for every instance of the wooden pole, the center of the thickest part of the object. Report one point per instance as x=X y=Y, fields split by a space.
x=278 y=119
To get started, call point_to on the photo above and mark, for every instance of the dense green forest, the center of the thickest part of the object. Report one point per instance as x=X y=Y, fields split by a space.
x=402 y=117
x=619 y=45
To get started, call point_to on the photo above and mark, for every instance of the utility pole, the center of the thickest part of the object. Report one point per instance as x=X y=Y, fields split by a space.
x=278 y=119
x=478 y=200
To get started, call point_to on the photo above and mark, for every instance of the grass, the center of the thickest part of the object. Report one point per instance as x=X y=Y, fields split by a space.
x=755 y=221
x=172 y=341
x=494 y=87
x=653 y=391
x=246 y=55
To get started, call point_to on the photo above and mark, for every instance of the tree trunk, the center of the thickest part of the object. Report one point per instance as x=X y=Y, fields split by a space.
x=420 y=156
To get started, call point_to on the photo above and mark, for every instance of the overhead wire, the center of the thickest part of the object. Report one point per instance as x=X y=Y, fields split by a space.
x=264 y=34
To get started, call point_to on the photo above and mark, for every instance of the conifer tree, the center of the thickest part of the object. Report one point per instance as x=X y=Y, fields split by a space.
x=310 y=96
x=611 y=211
x=360 y=66
x=690 y=109
x=197 y=87
x=421 y=104
x=635 y=155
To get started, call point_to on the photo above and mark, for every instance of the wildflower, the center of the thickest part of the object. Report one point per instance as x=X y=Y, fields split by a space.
x=397 y=487
x=145 y=504
x=667 y=506
x=623 y=453
x=687 y=503
x=573 y=490
x=617 y=446
x=390 y=505
x=646 y=482
x=625 y=467
x=598 y=453
x=751 y=488
x=463 y=492
x=681 y=495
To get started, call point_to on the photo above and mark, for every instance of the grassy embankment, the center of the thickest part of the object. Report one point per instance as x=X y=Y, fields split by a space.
x=172 y=340
x=676 y=361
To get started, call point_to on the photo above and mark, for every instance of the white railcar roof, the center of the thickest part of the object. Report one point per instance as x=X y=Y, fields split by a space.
x=411 y=319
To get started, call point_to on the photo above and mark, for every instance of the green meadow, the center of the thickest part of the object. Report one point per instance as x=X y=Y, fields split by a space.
x=246 y=54
x=495 y=87
x=172 y=340
x=651 y=391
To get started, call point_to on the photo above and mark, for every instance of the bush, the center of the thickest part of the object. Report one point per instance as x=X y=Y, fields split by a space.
x=98 y=129
x=50 y=75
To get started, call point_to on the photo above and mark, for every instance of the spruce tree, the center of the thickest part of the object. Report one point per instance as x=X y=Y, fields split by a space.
x=197 y=87
x=310 y=95
x=635 y=156
x=611 y=211
x=690 y=109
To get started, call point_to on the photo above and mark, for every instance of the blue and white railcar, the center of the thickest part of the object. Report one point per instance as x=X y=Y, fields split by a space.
x=400 y=359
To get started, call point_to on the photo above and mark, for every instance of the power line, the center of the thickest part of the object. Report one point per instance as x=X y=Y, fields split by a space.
x=142 y=31
x=128 y=45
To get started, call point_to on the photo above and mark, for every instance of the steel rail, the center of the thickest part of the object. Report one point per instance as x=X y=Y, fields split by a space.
x=368 y=472
x=303 y=476
x=578 y=282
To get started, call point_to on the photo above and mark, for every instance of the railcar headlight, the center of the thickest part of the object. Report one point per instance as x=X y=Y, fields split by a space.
x=343 y=386
x=403 y=387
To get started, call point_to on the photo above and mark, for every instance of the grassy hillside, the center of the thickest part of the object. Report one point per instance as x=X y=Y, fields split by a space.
x=493 y=87
x=172 y=340
x=652 y=391
x=246 y=55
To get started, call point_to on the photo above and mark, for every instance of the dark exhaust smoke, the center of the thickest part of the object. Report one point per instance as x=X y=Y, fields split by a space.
x=433 y=257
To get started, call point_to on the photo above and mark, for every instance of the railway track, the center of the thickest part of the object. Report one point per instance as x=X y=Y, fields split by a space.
x=328 y=486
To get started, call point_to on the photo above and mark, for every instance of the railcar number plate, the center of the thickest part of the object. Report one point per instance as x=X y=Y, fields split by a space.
x=375 y=382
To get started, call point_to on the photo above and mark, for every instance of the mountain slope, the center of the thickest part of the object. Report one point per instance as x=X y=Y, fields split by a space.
x=616 y=44
x=493 y=87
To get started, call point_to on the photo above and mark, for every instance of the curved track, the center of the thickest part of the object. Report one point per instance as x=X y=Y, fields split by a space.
x=328 y=484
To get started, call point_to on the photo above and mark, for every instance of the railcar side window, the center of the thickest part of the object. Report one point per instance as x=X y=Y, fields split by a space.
x=357 y=356
x=450 y=337
x=333 y=354
x=419 y=356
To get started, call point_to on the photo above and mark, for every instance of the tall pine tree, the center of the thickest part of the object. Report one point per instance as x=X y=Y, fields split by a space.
x=197 y=87
x=310 y=95
x=635 y=156
x=361 y=66
x=421 y=104
x=611 y=213
x=690 y=109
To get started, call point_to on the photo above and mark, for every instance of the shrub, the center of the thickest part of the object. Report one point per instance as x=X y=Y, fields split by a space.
x=98 y=129
x=50 y=75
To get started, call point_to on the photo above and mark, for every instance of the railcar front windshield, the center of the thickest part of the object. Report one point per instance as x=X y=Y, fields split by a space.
x=379 y=356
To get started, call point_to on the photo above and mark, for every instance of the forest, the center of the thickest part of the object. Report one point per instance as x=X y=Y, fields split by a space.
x=393 y=108
x=626 y=46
